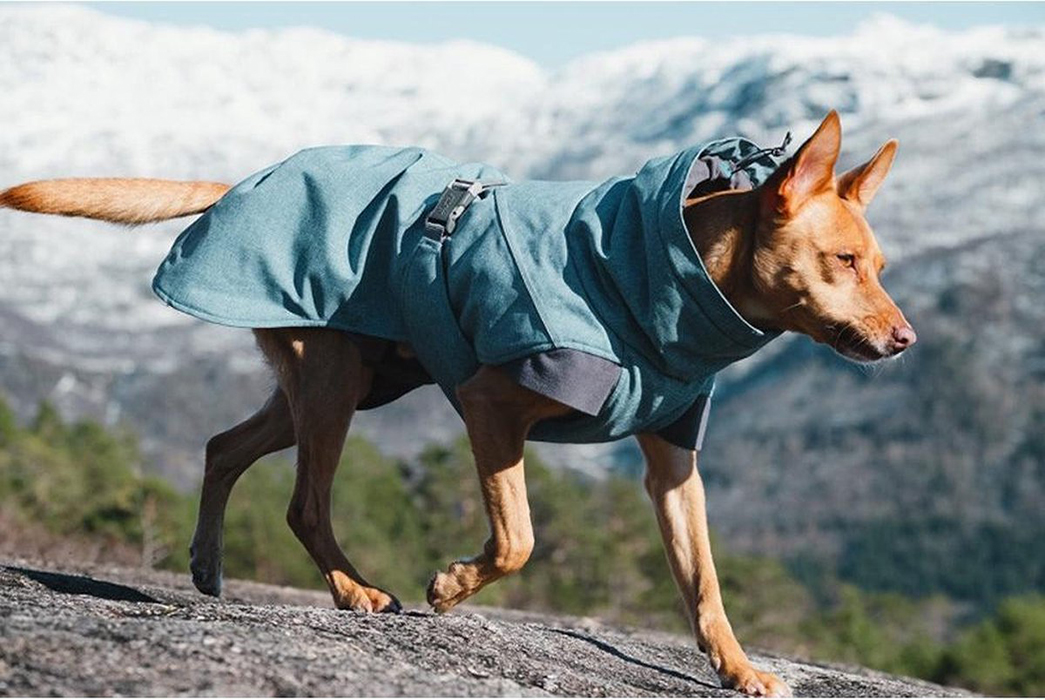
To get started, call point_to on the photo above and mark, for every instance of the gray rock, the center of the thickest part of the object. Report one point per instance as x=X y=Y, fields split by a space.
x=109 y=631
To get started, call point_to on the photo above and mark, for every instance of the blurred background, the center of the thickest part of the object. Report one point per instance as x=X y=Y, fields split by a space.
x=891 y=516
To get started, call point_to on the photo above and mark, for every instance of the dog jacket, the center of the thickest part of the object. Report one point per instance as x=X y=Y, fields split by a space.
x=600 y=278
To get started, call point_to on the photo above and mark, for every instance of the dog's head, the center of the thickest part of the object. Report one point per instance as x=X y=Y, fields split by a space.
x=816 y=263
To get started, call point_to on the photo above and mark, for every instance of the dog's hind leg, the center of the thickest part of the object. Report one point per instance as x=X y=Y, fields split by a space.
x=675 y=487
x=498 y=414
x=229 y=454
x=323 y=375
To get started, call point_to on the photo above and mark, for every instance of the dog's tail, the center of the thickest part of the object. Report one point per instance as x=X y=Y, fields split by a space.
x=119 y=200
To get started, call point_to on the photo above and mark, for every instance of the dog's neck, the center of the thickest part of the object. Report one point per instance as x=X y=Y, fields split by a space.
x=723 y=228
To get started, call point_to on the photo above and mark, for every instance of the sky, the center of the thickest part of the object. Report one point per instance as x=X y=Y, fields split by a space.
x=551 y=33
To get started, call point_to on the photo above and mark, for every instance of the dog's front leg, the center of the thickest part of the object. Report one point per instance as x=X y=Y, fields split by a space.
x=677 y=492
x=498 y=414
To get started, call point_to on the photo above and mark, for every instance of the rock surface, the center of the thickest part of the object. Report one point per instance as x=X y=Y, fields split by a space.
x=110 y=631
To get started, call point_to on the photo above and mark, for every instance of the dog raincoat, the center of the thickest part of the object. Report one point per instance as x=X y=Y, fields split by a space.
x=335 y=237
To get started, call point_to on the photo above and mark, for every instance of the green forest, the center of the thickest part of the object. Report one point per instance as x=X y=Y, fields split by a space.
x=598 y=552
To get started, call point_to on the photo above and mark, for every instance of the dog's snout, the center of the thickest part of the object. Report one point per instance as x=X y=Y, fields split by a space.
x=903 y=338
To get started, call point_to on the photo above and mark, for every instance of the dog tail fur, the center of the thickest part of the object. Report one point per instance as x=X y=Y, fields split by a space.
x=128 y=201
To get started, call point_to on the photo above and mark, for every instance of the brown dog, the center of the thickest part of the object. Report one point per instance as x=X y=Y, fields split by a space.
x=794 y=254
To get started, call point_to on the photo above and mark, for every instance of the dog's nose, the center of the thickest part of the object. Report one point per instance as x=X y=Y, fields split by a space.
x=903 y=338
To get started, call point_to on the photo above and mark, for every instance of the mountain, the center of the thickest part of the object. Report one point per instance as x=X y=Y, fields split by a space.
x=806 y=456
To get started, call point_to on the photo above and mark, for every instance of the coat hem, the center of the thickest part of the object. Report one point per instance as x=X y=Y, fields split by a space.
x=227 y=321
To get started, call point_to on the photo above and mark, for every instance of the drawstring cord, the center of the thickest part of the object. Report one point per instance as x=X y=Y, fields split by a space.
x=776 y=151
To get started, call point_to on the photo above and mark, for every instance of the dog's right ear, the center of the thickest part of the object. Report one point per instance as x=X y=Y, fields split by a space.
x=810 y=171
x=860 y=184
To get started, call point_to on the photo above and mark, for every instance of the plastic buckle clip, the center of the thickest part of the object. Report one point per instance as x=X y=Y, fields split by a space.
x=453 y=202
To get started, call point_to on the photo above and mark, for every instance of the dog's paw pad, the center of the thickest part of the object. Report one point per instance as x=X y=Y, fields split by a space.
x=759 y=684
x=355 y=601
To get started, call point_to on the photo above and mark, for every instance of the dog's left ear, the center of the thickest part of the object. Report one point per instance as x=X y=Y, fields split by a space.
x=811 y=171
x=860 y=184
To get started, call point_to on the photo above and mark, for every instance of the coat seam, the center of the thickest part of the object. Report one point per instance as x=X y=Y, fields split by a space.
x=506 y=233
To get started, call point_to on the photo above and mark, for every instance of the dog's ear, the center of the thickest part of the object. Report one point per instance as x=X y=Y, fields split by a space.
x=860 y=184
x=810 y=171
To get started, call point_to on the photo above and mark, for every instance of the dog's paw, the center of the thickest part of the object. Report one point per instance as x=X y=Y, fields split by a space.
x=349 y=595
x=206 y=575
x=448 y=588
x=757 y=684
x=381 y=602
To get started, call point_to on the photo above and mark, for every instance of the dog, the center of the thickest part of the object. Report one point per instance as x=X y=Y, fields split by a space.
x=794 y=253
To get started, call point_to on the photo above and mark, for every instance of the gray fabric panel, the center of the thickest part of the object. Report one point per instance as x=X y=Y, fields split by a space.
x=577 y=379
x=394 y=375
x=688 y=431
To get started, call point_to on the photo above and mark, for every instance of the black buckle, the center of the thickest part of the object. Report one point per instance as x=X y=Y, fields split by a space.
x=442 y=220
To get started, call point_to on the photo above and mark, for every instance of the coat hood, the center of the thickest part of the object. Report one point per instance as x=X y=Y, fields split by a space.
x=649 y=268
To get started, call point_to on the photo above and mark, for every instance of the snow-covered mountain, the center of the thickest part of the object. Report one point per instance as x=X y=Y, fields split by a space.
x=88 y=94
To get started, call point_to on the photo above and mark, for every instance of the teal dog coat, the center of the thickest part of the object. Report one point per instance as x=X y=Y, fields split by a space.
x=599 y=278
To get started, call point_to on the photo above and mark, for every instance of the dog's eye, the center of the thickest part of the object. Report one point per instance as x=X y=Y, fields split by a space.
x=847 y=259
